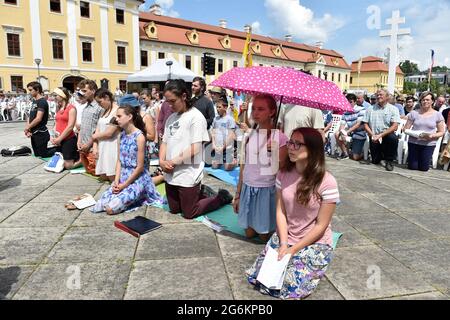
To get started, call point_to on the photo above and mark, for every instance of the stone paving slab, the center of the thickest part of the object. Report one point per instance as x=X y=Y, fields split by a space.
x=178 y=241
x=234 y=245
x=62 y=194
x=165 y=217
x=351 y=269
x=438 y=222
x=20 y=193
x=12 y=278
x=27 y=245
x=351 y=237
x=435 y=295
x=384 y=227
x=88 y=219
x=97 y=281
x=77 y=180
x=93 y=244
x=36 y=214
x=6 y=209
x=173 y=279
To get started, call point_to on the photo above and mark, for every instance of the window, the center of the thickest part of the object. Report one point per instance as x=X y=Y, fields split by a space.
x=87 y=51
x=332 y=77
x=13 y=2
x=351 y=80
x=121 y=55
x=1 y=83
x=339 y=77
x=202 y=67
x=188 y=62
x=161 y=55
x=13 y=44
x=346 y=78
x=16 y=83
x=320 y=74
x=123 y=85
x=220 y=65
x=144 y=58
x=120 y=16
x=84 y=9
x=58 y=52
x=55 y=6
x=235 y=64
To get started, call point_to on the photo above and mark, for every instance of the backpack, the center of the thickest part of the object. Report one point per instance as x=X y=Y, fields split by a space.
x=16 y=151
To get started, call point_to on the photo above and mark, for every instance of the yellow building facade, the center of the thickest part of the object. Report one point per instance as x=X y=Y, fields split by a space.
x=374 y=75
x=72 y=39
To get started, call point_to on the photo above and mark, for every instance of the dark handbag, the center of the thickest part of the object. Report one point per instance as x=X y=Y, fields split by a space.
x=16 y=151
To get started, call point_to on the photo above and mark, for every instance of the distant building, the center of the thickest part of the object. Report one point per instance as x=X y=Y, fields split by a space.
x=441 y=78
x=73 y=39
x=374 y=75
x=186 y=41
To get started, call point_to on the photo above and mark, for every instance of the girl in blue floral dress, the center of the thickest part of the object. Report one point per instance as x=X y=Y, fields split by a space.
x=132 y=186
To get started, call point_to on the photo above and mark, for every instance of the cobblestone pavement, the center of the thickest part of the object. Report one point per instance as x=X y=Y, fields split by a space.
x=396 y=242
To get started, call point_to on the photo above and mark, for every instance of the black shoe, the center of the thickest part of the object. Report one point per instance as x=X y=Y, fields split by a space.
x=367 y=162
x=225 y=197
x=389 y=166
x=343 y=156
x=207 y=191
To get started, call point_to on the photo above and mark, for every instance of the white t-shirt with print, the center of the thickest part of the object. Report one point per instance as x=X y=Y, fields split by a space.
x=180 y=132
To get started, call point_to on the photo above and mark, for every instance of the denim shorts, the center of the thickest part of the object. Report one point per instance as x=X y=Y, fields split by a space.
x=358 y=146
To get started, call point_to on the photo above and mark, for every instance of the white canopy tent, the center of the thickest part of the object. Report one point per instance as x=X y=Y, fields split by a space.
x=159 y=71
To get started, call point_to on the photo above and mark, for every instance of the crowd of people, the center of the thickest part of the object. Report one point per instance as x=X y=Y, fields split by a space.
x=284 y=195
x=379 y=121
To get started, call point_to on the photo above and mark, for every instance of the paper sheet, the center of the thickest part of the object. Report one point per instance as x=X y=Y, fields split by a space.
x=85 y=202
x=272 y=271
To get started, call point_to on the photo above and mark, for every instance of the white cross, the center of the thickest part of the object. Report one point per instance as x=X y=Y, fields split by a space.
x=394 y=33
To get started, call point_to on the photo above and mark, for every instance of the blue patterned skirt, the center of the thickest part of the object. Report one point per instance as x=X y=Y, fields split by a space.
x=304 y=271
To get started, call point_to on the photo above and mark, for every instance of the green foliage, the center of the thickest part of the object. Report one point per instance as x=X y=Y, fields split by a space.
x=409 y=68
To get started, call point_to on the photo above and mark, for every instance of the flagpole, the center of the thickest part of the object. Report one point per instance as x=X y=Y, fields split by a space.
x=431 y=69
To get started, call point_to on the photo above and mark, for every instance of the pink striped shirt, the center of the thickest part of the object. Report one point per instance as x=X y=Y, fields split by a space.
x=302 y=219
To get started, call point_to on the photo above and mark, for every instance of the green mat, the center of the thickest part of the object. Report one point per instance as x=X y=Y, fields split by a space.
x=226 y=217
x=43 y=159
x=78 y=170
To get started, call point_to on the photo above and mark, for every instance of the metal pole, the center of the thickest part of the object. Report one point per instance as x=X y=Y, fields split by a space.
x=39 y=75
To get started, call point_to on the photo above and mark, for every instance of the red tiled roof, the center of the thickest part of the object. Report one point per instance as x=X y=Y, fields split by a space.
x=373 y=64
x=173 y=30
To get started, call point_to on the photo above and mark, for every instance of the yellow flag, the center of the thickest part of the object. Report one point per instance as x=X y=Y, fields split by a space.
x=247 y=59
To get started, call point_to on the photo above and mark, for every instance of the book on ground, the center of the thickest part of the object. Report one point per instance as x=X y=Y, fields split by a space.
x=137 y=226
x=272 y=271
x=85 y=202
x=213 y=224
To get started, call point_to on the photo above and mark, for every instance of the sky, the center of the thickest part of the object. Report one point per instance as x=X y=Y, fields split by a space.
x=350 y=27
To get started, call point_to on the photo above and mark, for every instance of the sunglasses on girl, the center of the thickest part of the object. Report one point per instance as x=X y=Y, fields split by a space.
x=296 y=145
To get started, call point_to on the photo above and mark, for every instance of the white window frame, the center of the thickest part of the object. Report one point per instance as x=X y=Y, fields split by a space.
x=115 y=16
x=122 y=43
x=91 y=40
x=13 y=30
x=59 y=36
x=90 y=10
x=11 y=5
x=140 y=56
x=53 y=12
x=16 y=75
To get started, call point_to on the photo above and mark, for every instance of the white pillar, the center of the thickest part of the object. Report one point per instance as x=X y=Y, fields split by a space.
x=104 y=34
x=136 y=42
x=36 y=30
x=72 y=36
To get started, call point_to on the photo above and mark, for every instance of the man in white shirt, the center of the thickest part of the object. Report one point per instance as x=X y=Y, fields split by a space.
x=294 y=116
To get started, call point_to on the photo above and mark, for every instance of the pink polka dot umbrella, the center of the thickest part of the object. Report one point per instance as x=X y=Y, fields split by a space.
x=286 y=85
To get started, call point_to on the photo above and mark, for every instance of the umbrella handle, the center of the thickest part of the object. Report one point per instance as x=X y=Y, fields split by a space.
x=278 y=112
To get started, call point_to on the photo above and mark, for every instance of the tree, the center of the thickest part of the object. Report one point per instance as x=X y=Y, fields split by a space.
x=409 y=87
x=434 y=86
x=409 y=68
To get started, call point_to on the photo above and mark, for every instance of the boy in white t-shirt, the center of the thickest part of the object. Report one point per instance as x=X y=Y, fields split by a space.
x=223 y=136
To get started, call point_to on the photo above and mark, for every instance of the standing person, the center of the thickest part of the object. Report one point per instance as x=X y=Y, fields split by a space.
x=181 y=154
x=293 y=116
x=201 y=102
x=223 y=137
x=265 y=152
x=420 y=150
x=306 y=200
x=65 y=118
x=89 y=120
x=381 y=121
x=36 y=127
x=132 y=186
x=105 y=136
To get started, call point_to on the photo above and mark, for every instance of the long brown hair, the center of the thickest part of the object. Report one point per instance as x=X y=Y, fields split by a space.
x=137 y=119
x=315 y=169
